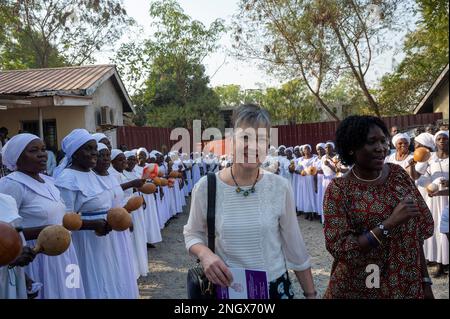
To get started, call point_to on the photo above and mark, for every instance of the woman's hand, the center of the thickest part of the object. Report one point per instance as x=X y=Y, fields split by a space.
x=216 y=270
x=404 y=211
x=102 y=228
x=137 y=183
x=26 y=257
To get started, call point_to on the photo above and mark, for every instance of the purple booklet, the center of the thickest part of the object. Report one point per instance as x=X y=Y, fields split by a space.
x=247 y=284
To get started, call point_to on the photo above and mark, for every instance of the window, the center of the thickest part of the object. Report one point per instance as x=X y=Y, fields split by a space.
x=50 y=134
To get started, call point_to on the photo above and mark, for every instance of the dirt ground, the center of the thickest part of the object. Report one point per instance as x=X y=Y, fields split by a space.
x=169 y=263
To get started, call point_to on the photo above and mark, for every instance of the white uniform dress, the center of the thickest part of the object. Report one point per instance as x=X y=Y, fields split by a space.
x=12 y=281
x=328 y=175
x=295 y=183
x=102 y=274
x=195 y=172
x=320 y=191
x=151 y=215
x=391 y=159
x=436 y=248
x=306 y=195
x=181 y=201
x=167 y=198
x=122 y=241
x=139 y=236
x=40 y=204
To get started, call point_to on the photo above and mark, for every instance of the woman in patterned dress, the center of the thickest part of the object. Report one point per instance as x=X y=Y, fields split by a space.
x=375 y=220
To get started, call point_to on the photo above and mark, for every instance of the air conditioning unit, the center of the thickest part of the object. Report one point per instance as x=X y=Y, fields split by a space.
x=105 y=115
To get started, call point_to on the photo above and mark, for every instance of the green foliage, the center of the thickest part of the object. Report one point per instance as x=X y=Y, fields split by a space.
x=44 y=33
x=426 y=50
x=170 y=84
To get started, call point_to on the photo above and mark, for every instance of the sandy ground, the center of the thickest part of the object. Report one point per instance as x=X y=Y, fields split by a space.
x=169 y=263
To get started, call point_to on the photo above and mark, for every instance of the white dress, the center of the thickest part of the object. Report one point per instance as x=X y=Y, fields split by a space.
x=151 y=215
x=391 y=159
x=166 y=201
x=320 y=191
x=306 y=195
x=123 y=244
x=295 y=183
x=436 y=248
x=139 y=236
x=101 y=267
x=258 y=232
x=40 y=204
x=12 y=281
x=195 y=172
x=328 y=175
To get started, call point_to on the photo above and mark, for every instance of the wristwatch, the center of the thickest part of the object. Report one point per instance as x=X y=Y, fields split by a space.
x=384 y=230
x=427 y=281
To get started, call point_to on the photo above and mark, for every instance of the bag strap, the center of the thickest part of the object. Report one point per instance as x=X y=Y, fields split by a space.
x=211 y=212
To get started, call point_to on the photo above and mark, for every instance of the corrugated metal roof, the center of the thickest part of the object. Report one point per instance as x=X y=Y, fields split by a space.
x=71 y=79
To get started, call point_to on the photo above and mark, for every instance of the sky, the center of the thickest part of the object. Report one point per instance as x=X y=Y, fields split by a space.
x=233 y=71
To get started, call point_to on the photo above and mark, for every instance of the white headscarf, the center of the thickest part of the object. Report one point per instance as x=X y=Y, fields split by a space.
x=99 y=136
x=426 y=139
x=129 y=154
x=14 y=147
x=440 y=133
x=289 y=149
x=307 y=145
x=296 y=147
x=8 y=209
x=72 y=142
x=114 y=153
x=101 y=147
x=321 y=145
x=330 y=143
x=142 y=149
x=400 y=136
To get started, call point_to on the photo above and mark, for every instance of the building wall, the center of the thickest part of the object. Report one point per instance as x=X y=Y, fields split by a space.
x=441 y=102
x=67 y=118
x=105 y=95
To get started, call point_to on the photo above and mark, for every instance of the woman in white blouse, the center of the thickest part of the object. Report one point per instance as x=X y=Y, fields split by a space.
x=401 y=156
x=256 y=225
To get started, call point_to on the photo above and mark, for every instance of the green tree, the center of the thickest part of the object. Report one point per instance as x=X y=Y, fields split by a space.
x=168 y=79
x=427 y=53
x=44 y=33
x=292 y=103
x=230 y=95
x=317 y=41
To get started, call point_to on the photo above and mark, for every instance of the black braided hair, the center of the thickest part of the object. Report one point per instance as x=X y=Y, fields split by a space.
x=351 y=135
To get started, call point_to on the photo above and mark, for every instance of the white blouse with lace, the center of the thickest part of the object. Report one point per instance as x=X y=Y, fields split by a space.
x=258 y=232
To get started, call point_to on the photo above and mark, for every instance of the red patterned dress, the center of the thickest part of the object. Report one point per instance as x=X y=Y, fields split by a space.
x=350 y=209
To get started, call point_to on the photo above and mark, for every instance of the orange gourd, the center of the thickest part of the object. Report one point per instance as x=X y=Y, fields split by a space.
x=10 y=244
x=421 y=154
x=134 y=203
x=148 y=188
x=53 y=241
x=72 y=221
x=119 y=219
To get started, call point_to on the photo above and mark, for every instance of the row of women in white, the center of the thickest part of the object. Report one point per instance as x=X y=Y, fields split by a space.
x=309 y=185
x=94 y=266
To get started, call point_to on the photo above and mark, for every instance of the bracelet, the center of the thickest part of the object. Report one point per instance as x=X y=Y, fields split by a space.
x=371 y=240
x=375 y=236
x=311 y=294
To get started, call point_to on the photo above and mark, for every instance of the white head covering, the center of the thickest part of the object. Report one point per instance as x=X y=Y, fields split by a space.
x=321 y=145
x=8 y=209
x=330 y=143
x=129 y=154
x=290 y=149
x=440 y=133
x=72 y=142
x=307 y=145
x=101 y=146
x=99 y=136
x=114 y=153
x=142 y=149
x=426 y=139
x=14 y=147
x=400 y=136
x=296 y=147
x=280 y=147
